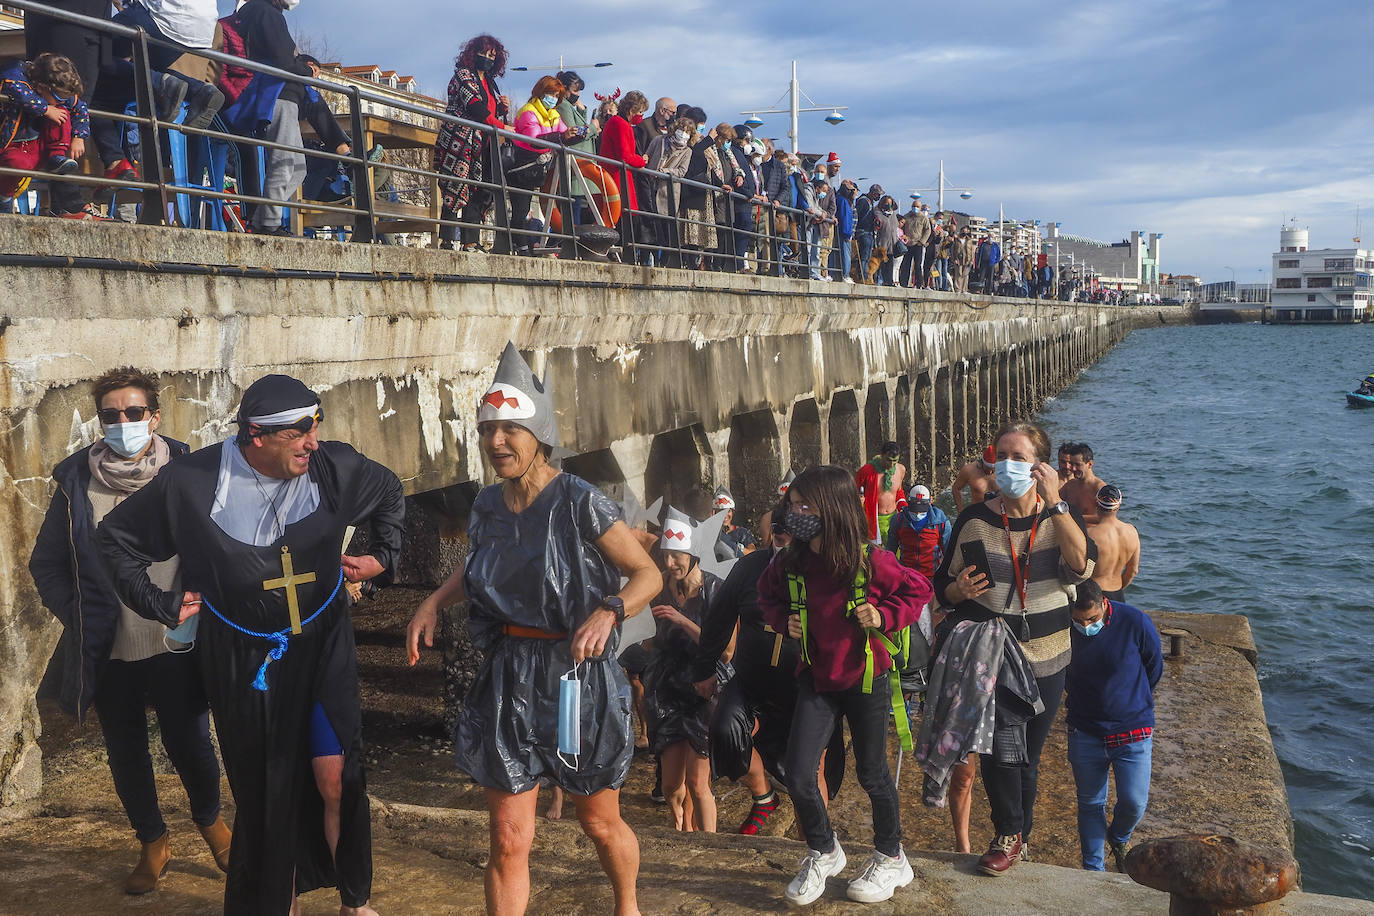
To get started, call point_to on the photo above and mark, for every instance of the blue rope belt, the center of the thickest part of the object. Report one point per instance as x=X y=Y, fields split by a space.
x=280 y=637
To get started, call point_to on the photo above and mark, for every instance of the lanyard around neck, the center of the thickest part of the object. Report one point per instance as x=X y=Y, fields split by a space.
x=1022 y=574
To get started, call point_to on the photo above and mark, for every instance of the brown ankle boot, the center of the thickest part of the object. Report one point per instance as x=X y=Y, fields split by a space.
x=218 y=837
x=152 y=864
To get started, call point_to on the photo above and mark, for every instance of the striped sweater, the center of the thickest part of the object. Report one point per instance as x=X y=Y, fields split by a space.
x=1044 y=628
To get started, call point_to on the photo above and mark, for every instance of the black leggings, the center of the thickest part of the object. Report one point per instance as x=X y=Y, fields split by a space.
x=816 y=718
x=1011 y=789
x=171 y=683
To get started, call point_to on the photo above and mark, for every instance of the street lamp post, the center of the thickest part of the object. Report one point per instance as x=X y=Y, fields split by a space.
x=794 y=95
x=561 y=67
x=1234 y=292
x=940 y=189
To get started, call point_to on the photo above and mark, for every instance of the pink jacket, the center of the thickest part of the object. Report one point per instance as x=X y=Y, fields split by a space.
x=527 y=123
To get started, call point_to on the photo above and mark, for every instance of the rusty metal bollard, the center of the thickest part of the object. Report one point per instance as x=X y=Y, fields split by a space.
x=1210 y=875
x=1175 y=638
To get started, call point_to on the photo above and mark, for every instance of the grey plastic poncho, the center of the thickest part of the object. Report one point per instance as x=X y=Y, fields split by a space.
x=541 y=569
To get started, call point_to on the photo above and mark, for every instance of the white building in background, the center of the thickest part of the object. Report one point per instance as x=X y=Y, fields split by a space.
x=1322 y=285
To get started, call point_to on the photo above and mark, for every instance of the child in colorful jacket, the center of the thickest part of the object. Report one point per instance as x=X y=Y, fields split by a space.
x=43 y=120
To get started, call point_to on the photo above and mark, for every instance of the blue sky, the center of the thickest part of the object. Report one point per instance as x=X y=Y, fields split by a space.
x=1206 y=120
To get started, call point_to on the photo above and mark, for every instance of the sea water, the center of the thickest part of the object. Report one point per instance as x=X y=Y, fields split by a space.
x=1252 y=484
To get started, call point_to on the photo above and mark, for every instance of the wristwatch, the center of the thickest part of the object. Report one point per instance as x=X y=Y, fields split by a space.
x=1060 y=508
x=616 y=607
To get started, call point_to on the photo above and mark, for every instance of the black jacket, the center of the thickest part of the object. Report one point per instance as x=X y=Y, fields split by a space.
x=69 y=571
x=269 y=41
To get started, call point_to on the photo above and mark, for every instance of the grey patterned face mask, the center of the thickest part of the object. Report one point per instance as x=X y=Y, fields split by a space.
x=802 y=527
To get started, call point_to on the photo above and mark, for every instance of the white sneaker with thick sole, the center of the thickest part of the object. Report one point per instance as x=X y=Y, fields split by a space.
x=882 y=875
x=816 y=867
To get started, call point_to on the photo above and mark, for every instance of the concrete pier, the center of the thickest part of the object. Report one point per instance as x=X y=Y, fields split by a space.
x=664 y=379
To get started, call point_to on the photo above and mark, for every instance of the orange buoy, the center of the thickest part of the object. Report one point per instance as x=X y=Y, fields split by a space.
x=605 y=193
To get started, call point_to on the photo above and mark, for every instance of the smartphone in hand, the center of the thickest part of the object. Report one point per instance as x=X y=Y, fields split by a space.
x=975 y=554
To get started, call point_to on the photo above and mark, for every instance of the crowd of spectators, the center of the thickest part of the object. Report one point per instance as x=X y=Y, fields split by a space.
x=689 y=193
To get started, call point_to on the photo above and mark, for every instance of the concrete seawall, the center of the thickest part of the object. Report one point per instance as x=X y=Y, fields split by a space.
x=664 y=379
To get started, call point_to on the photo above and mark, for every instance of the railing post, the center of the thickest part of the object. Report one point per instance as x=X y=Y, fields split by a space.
x=502 y=211
x=364 y=224
x=627 y=216
x=149 y=135
x=676 y=223
x=566 y=164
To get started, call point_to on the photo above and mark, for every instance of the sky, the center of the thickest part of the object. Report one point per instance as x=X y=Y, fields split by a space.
x=1209 y=121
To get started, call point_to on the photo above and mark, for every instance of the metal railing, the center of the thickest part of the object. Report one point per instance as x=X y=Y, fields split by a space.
x=646 y=236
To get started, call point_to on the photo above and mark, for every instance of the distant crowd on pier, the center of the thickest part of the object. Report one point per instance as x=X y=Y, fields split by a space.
x=690 y=191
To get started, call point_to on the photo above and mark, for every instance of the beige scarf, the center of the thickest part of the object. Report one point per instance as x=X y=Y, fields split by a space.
x=118 y=473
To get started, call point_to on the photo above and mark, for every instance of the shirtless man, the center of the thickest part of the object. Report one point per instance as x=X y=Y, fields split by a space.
x=1080 y=490
x=980 y=479
x=1064 y=472
x=1118 y=546
x=881 y=483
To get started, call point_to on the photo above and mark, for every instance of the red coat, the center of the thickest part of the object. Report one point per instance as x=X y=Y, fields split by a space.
x=618 y=142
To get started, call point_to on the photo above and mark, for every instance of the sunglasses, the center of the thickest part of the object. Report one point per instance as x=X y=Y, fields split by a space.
x=109 y=416
x=302 y=426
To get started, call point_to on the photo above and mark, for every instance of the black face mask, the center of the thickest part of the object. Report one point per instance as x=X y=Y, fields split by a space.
x=802 y=527
x=574 y=96
x=484 y=64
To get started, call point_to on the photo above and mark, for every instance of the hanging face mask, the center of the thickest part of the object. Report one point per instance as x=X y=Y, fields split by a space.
x=569 y=717
x=182 y=638
x=550 y=101
x=1014 y=477
x=129 y=439
x=802 y=527
x=1091 y=629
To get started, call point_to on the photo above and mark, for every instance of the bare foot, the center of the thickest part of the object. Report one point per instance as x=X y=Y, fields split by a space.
x=363 y=910
x=555 y=809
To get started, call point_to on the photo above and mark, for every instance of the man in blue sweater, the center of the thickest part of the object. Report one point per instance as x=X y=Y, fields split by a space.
x=1111 y=714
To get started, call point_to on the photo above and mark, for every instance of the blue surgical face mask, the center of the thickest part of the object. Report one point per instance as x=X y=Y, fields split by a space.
x=550 y=101
x=128 y=439
x=725 y=145
x=1091 y=629
x=1014 y=477
x=569 y=718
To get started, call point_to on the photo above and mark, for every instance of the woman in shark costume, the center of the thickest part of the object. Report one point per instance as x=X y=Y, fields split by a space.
x=543 y=581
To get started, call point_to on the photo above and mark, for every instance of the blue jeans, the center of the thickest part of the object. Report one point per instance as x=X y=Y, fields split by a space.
x=842 y=250
x=1130 y=764
x=813 y=245
x=866 y=243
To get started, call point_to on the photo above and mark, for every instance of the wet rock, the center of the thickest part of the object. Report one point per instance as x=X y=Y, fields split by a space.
x=1207 y=873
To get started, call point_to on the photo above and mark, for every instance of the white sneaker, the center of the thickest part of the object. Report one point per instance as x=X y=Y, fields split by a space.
x=816 y=867
x=849 y=279
x=881 y=876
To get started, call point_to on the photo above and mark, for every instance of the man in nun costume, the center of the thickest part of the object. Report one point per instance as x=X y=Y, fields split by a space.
x=259 y=522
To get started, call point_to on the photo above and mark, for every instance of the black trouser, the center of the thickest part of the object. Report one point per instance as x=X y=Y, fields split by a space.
x=479 y=198
x=914 y=261
x=816 y=717
x=171 y=683
x=87 y=49
x=1011 y=789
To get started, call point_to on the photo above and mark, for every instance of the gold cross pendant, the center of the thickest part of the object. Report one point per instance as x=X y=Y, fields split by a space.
x=289 y=581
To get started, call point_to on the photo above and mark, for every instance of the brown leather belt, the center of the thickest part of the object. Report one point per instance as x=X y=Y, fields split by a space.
x=519 y=632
